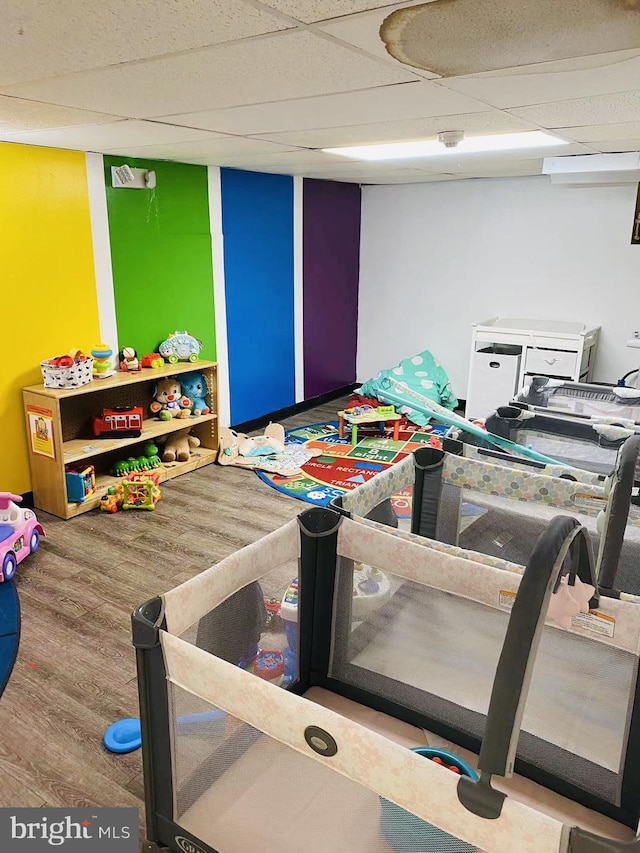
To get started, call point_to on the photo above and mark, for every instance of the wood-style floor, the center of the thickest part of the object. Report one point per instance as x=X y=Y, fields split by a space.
x=75 y=671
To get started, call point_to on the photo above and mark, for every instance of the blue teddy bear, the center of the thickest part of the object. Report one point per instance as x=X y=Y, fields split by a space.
x=194 y=387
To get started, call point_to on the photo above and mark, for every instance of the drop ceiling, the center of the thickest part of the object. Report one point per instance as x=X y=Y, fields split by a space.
x=264 y=84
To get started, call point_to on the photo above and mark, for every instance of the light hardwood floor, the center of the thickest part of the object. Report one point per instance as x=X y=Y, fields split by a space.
x=75 y=672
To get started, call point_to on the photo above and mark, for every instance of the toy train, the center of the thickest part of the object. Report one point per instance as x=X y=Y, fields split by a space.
x=121 y=422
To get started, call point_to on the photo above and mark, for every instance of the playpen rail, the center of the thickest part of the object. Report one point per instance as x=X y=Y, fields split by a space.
x=189 y=602
x=396 y=773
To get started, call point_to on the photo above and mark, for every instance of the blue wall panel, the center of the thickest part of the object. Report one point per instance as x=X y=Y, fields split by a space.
x=257 y=225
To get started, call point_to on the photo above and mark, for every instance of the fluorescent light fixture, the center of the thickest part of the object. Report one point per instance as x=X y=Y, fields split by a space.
x=622 y=168
x=433 y=148
x=624 y=162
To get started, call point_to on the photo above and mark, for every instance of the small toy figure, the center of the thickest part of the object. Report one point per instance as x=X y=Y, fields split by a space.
x=110 y=501
x=20 y=533
x=168 y=400
x=273 y=621
x=152 y=359
x=180 y=346
x=194 y=387
x=128 y=359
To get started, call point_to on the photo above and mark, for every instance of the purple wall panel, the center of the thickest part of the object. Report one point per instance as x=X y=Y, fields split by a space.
x=331 y=261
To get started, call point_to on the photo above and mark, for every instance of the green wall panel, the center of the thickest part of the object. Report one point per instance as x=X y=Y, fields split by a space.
x=161 y=256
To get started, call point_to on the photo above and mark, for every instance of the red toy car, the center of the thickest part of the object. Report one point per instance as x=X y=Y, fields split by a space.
x=122 y=422
x=20 y=533
x=152 y=359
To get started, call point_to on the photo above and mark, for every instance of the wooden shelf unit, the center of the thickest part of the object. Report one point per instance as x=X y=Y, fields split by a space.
x=71 y=412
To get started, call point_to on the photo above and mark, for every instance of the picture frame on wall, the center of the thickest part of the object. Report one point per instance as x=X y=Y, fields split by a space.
x=635 y=234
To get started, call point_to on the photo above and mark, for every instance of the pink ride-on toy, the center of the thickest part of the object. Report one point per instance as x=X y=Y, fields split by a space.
x=20 y=533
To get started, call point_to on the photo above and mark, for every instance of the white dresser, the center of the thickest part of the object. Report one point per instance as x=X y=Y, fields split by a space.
x=505 y=351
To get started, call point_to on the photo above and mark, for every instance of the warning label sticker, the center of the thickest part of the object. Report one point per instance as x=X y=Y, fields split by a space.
x=597 y=623
x=593 y=621
x=507 y=598
x=589 y=501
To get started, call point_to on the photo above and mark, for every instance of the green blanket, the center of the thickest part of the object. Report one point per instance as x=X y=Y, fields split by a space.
x=422 y=374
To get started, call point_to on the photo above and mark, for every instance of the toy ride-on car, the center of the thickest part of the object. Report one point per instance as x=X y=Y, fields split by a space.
x=180 y=346
x=20 y=533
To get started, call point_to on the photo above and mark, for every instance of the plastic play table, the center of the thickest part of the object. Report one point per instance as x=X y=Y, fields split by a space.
x=368 y=417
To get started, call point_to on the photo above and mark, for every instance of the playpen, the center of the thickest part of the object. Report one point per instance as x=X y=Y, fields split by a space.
x=586 y=442
x=583 y=400
x=449 y=649
x=501 y=509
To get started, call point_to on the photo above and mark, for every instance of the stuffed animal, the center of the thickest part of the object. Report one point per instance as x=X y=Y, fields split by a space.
x=194 y=387
x=168 y=401
x=262 y=445
x=178 y=446
x=263 y=452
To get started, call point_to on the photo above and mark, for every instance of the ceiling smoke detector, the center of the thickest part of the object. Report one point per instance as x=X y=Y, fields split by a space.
x=451 y=138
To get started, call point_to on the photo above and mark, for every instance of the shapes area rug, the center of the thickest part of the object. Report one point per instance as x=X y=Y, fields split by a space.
x=9 y=630
x=342 y=466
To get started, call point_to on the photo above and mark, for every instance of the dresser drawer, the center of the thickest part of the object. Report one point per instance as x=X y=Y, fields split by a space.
x=551 y=362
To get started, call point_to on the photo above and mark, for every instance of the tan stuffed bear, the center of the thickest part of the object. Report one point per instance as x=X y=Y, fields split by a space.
x=178 y=446
x=169 y=402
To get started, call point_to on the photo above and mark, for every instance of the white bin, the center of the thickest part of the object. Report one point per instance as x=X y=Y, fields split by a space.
x=493 y=379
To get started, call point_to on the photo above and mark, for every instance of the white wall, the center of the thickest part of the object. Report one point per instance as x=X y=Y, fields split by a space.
x=436 y=258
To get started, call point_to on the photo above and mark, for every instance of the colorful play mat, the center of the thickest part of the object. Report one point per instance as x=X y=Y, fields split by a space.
x=342 y=467
x=9 y=630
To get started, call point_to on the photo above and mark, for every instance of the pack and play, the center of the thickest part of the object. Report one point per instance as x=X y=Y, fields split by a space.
x=485 y=501
x=323 y=764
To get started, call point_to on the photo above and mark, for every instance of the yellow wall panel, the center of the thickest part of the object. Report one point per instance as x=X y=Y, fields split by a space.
x=47 y=281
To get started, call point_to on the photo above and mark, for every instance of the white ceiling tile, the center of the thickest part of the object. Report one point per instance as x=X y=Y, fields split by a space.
x=403 y=101
x=211 y=149
x=623 y=130
x=602 y=74
x=610 y=146
x=39 y=39
x=599 y=109
x=490 y=121
x=18 y=115
x=470 y=36
x=106 y=137
x=363 y=31
x=289 y=65
x=309 y=11
x=496 y=160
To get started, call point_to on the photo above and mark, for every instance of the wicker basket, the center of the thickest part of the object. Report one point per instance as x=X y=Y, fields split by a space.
x=78 y=374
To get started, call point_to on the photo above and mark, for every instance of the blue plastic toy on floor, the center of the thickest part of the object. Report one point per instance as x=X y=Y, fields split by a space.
x=126 y=736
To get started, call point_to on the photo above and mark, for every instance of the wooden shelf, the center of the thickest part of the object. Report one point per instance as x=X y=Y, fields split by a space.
x=120 y=378
x=202 y=456
x=68 y=413
x=86 y=448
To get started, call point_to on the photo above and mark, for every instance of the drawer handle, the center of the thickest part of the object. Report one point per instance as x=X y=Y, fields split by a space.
x=494 y=364
x=551 y=360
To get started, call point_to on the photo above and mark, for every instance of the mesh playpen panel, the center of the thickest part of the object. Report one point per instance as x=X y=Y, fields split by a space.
x=237 y=789
x=246 y=786
x=436 y=652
